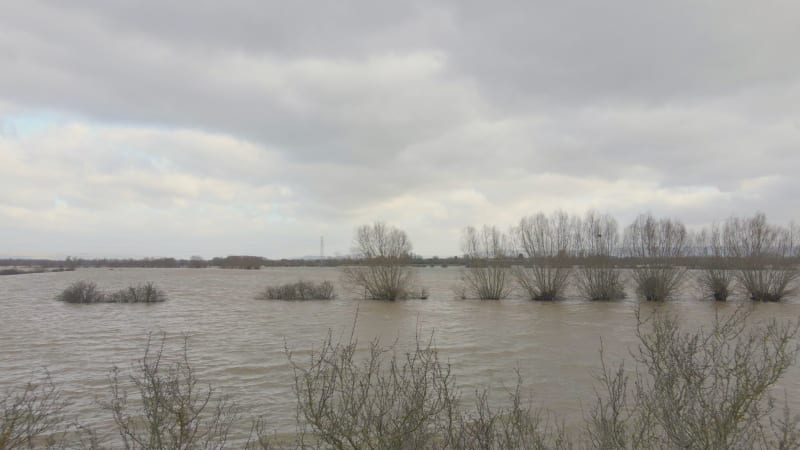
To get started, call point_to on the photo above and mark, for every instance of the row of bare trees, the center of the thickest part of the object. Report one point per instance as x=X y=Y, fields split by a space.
x=758 y=256
x=546 y=248
x=543 y=253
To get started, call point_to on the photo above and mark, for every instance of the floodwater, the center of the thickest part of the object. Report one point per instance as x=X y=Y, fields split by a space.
x=237 y=343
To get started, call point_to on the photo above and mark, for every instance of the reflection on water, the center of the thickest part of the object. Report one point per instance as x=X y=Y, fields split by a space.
x=237 y=343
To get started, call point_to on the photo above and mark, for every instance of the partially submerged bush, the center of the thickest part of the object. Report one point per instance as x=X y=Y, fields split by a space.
x=486 y=277
x=657 y=282
x=142 y=293
x=82 y=292
x=548 y=242
x=486 y=282
x=768 y=284
x=597 y=278
x=384 y=273
x=300 y=290
x=87 y=292
x=715 y=283
x=765 y=270
x=600 y=282
x=657 y=244
x=543 y=282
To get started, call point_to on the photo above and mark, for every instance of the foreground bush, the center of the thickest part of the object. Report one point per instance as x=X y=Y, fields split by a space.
x=82 y=292
x=704 y=389
x=707 y=388
x=160 y=405
x=301 y=290
x=31 y=417
x=394 y=400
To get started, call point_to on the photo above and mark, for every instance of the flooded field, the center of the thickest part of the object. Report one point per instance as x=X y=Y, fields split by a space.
x=238 y=343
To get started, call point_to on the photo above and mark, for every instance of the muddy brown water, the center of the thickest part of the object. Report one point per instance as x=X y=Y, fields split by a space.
x=237 y=343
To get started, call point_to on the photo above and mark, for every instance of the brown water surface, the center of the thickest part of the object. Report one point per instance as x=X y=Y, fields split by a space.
x=237 y=342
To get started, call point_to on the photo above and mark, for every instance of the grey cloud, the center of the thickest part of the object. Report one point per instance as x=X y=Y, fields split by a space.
x=303 y=115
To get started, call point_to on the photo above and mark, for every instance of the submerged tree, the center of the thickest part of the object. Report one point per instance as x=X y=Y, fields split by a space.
x=383 y=272
x=598 y=239
x=548 y=242
x=655 y=245
x=486 y=276
x=765 y=269
x=716 y=263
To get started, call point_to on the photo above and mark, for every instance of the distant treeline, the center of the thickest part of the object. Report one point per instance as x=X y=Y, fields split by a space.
x=227 y=262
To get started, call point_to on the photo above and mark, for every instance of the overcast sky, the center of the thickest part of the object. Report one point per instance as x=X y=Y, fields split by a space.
x=152 y=128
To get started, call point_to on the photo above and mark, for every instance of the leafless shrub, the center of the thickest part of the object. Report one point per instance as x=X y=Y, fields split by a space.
x=486 y=277
x=656 y=244
x=697 y=389
x=169 y=408
x=142 y=293
x=765 y=271
x=384 y=273
x=82 y=292
x=519 y=425
x=300 y=290
x=390 y=400
x=31 y=417
x=548 y=243
x=386 y=401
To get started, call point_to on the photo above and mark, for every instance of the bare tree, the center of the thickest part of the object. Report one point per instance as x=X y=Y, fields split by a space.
x=486 y=276
x=766 y=270
x=383 y=272
x=548 y=242
x=716 y=274
x=598 y=240
x=656 y=246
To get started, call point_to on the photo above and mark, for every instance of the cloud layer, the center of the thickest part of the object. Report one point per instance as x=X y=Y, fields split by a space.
x=144 y=128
